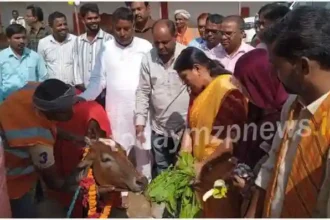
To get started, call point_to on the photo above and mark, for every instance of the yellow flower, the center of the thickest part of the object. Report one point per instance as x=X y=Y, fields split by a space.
x=106 y=211
x=218 y=191
x=92 y=199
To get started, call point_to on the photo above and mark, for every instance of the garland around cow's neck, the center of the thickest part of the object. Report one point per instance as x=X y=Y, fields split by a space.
x=89 y=187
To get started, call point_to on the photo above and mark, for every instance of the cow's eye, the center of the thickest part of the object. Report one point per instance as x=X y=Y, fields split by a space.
x=105 y=158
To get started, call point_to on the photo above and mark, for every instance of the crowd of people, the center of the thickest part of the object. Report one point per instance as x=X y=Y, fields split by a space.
x=254 y=115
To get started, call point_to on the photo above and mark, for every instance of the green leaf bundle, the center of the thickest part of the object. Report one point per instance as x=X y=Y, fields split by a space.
x=172 y=187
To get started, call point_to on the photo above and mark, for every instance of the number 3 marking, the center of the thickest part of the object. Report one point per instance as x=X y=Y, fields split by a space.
x=43 y=157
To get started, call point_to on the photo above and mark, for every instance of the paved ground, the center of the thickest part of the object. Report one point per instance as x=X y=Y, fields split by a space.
x=50 y=209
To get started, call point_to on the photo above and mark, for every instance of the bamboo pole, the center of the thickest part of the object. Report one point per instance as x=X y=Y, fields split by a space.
x=77 y=19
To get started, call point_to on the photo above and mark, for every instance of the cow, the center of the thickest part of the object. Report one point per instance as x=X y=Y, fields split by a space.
x=112 y=170
x=111 y=167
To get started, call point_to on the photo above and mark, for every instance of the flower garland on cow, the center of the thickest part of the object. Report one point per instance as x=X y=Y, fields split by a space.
x=107 y=172
x=97 y=206
x=90 y=199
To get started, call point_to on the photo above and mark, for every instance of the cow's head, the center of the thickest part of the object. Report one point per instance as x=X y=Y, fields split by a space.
x=111 y=166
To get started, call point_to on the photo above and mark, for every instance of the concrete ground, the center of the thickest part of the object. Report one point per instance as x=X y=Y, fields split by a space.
x=51 y=209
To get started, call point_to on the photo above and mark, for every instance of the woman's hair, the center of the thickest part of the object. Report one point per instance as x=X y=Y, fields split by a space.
x=191 y=56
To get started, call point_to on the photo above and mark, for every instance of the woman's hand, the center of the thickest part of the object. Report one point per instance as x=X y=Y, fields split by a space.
x=198 y=166
x=186 y=142
x=198 y=170
x=239 y=182
x=242 y=177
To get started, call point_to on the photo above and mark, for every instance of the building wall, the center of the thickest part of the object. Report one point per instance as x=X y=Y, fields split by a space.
x=223 y=8
x=195 y=8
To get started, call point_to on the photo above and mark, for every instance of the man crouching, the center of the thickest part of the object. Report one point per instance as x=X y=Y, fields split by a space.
x=28 y=120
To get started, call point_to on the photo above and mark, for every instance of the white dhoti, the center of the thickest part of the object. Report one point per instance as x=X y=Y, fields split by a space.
x=120 y=111
x=121 y=114
x=118 y=68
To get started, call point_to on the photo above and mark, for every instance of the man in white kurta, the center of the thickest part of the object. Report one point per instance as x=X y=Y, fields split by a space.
x=117 y=69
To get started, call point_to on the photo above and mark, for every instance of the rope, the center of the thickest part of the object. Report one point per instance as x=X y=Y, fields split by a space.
x=73 y=202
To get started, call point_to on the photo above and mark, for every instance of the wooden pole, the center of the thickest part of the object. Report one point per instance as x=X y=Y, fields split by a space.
x=77 y=19
x=239 y=8
x=164 y=10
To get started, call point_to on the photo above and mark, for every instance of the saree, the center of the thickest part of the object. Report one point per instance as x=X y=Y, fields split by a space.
x=220 y=104
x=309 y=164
x=254 y=147
x=266 y=98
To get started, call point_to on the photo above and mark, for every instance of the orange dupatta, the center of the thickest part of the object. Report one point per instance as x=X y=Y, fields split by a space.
x=306 y=176
x=186 y=37
x=203 y=113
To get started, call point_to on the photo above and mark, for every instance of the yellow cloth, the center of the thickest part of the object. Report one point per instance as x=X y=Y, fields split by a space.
x=203 y=113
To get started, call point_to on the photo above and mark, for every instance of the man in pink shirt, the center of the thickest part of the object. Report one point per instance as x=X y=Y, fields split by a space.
x=232 y=44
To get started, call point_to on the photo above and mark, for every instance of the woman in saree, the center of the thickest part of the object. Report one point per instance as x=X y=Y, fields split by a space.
x=266 y=98
x=217 y=106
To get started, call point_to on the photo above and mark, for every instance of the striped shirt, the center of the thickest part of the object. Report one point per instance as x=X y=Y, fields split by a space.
x=85 y=52
x=58 y=57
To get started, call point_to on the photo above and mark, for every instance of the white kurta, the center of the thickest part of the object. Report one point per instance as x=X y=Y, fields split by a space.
x=117 y=69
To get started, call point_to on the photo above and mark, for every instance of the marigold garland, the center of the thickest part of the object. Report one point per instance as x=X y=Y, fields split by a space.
x=90 y=195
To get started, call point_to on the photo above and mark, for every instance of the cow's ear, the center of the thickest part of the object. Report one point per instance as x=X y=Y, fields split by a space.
x=132 y=155
x=87 y=161
x=85 y=164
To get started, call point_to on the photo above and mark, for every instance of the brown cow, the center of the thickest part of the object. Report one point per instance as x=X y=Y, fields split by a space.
x=111 y=167
x=112 y=171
